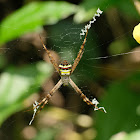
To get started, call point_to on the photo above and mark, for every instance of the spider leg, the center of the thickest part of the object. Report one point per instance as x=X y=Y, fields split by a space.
x=80 y=53
x=36 y=106
x=48 y=96
x=39 y=104
x=85 y=99
x=44 y=100
x=50 y=56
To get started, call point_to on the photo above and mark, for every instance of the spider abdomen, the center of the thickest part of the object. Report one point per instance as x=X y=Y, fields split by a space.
x=65 y=68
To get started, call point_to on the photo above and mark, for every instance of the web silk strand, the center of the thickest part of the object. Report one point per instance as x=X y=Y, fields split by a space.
x=88 y=26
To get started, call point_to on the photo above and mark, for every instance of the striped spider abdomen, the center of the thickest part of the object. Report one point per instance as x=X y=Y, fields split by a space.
x=65 y=71
x=65 y=68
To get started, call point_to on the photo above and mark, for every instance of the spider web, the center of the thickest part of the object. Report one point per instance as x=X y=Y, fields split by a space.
x=64 y=38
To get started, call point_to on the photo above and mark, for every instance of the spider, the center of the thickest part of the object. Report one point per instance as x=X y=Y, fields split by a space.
x=65 y=69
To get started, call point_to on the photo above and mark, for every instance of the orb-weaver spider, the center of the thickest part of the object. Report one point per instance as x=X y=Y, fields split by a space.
x=65 y=70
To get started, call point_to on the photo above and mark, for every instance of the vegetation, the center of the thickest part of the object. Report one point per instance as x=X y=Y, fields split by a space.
x=109 y=69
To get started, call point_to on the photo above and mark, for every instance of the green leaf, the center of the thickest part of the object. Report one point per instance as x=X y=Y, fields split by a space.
x=19 y=83
x=126 y=6
x=31 y=17
x=118 y=46
x=84 y=15
x=122 y=103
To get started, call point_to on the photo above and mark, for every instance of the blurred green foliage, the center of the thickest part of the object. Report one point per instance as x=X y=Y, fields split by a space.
x=126 y=6
x=17 y=83
x=121 y=101
x=31 y=18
